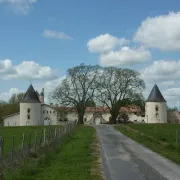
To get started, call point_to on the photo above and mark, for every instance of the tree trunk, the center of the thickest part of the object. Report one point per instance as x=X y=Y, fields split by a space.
x=113 y=118
x=80 y=118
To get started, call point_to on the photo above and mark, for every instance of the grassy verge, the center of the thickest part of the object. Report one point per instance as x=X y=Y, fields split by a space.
x=159 y=142
x=73 y=160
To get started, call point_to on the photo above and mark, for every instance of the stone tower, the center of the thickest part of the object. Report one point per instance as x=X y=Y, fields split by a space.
x=41 y=96
x=155 y=107
x=30 y=109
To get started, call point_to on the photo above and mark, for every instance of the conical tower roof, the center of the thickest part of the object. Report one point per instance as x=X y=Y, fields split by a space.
x=155 y=95
x=30 y=96
x=37 y=93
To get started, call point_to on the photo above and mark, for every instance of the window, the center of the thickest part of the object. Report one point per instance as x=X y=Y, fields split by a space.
x=47 y=112
x=28 y=110
x=43 y=112
x=157 y=108
x=28 y=116
x=157 y=115
x=50 y=112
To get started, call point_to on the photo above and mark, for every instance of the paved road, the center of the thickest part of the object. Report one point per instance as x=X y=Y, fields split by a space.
x=124 y=159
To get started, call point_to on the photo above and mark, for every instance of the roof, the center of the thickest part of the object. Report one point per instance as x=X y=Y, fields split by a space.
x=128 y=109
x=131 y=109
x=37 y=93
x=11 y=115
x=30 y=96
x=155 y=95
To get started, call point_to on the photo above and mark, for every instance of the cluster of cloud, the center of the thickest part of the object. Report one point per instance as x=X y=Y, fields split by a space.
x=55 y=35
x=160 y=32
x=105 y=43
x=21 y=6
x=162 y=71
x=25 y=70
x=114 y=51
x=5 y=96
x=48 y=85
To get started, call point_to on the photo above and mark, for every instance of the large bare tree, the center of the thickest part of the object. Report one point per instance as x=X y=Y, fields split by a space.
x=115 y=86
x=77 y=89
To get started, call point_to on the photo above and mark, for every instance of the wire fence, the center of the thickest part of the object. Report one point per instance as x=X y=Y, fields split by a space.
x=14 y=149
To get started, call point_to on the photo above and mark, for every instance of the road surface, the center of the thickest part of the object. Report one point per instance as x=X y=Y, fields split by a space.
x=124 y=159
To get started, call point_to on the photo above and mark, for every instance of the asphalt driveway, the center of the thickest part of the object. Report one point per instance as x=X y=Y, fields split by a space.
x=124 y=159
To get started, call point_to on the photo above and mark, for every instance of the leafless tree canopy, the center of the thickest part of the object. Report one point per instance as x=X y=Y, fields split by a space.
x=78 y=88
x=108 y=86
x=117 y=84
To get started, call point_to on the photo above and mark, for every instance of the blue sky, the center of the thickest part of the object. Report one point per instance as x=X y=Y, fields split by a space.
x=56 y=34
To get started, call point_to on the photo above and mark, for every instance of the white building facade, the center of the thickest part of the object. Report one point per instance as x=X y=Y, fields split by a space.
x=34 y=112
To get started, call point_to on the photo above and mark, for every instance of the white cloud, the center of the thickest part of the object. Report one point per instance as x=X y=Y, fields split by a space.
x=172 y=96
x=6 y=66
x=55 y=34
x=48 y=86
x=170 y=83
x=125 y=56
x=5 y=96
x=25 y=70
x=161 y=71
x=166 y=74
x=52 y=84
x=22 y=6
x=105 y=43
x=160 y=32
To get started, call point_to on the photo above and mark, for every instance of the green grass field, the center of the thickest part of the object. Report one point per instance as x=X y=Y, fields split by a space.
x=161 y=138
x=17 y=132
x=73 y=160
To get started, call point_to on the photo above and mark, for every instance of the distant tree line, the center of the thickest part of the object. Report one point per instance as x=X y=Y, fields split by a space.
x=10 y=107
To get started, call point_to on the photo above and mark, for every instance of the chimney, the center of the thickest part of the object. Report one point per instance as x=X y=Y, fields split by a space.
x=41 y=97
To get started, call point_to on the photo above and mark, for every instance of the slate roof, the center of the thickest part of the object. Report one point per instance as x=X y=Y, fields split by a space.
x=37 y=93
x=30 y=96
x=155 y=95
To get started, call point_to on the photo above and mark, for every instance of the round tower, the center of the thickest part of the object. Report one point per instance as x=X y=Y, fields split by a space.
x=155 y=107
x=30 y=109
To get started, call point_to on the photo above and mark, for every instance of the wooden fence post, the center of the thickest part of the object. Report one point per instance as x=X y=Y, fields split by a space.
x=1 y=157
x=35 y=141
x=44 y=137
x=1 y=148
x=41 y=138
x=55 y=133
x=59 y=133
x=12 y=149
x=177 y=138
x=29 y=145
x=22 y=144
